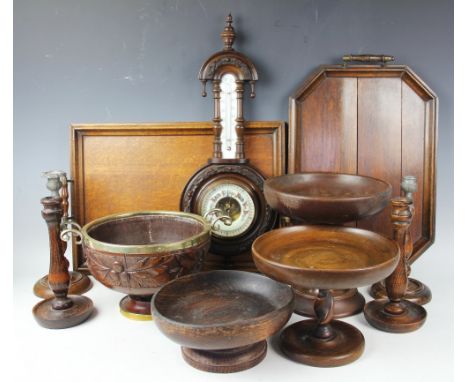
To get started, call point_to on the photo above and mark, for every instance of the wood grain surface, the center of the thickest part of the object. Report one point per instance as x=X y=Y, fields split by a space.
x=333 y=147
x=379 y=140
x=413 y=111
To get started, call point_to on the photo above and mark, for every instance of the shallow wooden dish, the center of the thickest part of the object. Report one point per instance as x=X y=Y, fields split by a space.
x=324 y=257
x=327 y=198
x=136 y=253
x=222 y=318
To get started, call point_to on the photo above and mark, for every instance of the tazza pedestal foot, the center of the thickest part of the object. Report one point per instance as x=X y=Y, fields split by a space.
x=411 y=318
x=416 y=292
x=228 y=360
x=50 y=318
x=136 y=308
x=79 y=284
x=299 y=344
x=347 y=302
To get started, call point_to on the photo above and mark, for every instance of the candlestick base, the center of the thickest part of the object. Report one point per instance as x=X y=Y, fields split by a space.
x=416 y=292
x=50 y=318
x=79 y=284
x=411 y=318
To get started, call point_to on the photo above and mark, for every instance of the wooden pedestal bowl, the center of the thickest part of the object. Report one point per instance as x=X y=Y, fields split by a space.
x=137 y=253
x=327 y=198
x=222 y=318
x=324 y=257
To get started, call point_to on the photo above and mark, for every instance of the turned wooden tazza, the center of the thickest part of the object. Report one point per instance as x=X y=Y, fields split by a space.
x=62 y=310
x=327 y=198
x=324 y=257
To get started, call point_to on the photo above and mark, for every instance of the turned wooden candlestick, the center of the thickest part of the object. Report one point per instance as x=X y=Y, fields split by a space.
x=60 y=311
x=396 y=314
x=57 y=184
x=416 y=291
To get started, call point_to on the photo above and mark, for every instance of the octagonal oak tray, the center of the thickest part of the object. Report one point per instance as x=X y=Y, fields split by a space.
x=374 y=120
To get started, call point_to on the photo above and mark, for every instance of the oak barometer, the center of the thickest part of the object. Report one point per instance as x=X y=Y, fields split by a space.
x=228 y=191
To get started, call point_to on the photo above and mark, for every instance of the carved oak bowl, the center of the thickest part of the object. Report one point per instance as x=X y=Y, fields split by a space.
x=327 y=198
x=137 y=253
x=325 y=257
x=222 y=318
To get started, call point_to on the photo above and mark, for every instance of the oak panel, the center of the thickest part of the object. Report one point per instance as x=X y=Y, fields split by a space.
x=329 y=126
x=413 y=114
x=379 y=140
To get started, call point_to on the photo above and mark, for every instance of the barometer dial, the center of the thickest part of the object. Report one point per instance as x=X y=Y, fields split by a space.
x=232 y=200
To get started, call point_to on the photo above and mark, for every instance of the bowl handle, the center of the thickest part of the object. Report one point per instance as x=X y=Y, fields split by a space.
x=69 y=229
x=215 y=215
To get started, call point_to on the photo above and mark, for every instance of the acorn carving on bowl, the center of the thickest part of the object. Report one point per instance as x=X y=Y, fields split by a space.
x=137 y=253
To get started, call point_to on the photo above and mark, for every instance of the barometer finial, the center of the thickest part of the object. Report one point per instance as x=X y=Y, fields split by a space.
x=228 y=35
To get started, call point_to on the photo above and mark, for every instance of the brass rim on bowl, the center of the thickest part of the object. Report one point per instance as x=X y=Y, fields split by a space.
x=136 y=316
x=192 y=241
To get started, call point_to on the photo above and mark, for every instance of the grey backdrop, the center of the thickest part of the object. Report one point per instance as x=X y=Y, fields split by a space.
x=137 y=61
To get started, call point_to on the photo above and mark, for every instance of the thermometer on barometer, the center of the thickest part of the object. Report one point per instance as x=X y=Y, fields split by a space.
x=228 y=111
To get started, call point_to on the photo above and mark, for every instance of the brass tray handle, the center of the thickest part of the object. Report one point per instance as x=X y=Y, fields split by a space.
x=382 y=58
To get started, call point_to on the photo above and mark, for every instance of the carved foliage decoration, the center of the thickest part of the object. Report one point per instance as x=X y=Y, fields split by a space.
x=145 y=271
x=214 y=65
